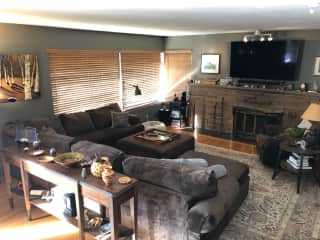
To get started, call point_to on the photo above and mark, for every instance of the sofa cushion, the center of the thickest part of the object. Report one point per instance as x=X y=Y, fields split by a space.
x=101 y=117
x=195 y=182
x=234 y=168
x=115 y=156
x=193 y=162
x=205 y=215
x=109 y=135
x=76 y=124
x=50 y=138
x=120 y=119
x=114 y=107
x=46 y=122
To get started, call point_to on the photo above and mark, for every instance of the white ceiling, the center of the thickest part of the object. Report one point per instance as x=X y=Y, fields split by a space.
x=164 y=18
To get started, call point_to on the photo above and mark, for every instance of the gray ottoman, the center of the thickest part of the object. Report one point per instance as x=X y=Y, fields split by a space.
x=134 y=146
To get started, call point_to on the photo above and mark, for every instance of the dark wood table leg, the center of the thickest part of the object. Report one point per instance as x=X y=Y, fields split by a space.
x=134 y=213
x=26 y=189
x=277 y=165
x=300 y=173
x=8 y=181
x=80 y=211
x=114 y=215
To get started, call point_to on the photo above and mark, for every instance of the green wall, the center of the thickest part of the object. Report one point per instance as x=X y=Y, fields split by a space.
x=19 y=39
x=220 y=43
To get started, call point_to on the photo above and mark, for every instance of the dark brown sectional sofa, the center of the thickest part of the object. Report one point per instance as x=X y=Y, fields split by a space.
x=63 y=130
x=176 y=200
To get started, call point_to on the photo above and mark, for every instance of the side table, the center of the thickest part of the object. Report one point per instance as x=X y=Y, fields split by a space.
x=288 y=146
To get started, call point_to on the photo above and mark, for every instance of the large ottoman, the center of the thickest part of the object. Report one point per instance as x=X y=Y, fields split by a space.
x=134 y=146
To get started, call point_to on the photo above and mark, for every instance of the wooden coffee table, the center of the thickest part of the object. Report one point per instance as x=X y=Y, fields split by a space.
x=172 y=149
x=109 y=197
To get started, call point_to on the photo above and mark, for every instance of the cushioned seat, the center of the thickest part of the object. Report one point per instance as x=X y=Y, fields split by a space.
x=109 y=136
x=236 y=169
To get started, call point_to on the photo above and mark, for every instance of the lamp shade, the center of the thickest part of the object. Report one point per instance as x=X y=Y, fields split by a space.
x=312 y=113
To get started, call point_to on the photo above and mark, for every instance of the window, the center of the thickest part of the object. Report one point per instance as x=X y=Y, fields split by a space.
x=178 y=71
x=83 y=79
x=140 y=68
x=87 y=79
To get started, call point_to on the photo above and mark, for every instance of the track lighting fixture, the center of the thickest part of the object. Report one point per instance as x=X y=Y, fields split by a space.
x=313 y=6
x=258 y=36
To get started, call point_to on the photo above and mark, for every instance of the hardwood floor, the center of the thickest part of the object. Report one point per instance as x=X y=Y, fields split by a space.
x=15 y=226
x=219 y=142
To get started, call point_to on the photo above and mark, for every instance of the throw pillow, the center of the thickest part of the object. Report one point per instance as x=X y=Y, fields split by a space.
x=101 y=117
x=76 y=124
x=120 y=119
x=219 y=170
x=114 y=107
x=89 y=149
x=195 y=182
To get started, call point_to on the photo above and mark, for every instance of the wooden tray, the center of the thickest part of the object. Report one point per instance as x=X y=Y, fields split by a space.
x=156 y=136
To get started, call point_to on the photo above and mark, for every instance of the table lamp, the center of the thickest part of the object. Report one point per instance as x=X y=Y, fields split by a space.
x=312 y=114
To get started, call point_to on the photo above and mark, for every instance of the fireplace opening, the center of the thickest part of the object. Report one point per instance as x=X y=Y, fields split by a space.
x=249 y=122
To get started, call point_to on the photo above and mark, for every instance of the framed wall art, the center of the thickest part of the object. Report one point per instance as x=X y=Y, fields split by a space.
x=19 y=78
x=316 y=70
x=210 y=63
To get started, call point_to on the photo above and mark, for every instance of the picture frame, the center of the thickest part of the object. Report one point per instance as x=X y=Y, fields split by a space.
x=316 y=71
x=210 y=63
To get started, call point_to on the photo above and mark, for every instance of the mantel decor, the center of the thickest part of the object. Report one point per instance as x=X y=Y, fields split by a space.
x=316 y=71
x=210 y=63
x=19 y=78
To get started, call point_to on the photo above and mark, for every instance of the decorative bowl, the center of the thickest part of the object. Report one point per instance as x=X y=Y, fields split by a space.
x=36 y=153
x=45 y=159
x=69 y=159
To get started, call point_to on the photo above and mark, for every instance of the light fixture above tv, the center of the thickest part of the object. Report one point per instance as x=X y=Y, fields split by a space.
x=258 y=36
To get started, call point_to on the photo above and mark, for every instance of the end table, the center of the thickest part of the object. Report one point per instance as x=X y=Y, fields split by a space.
x=288 y=146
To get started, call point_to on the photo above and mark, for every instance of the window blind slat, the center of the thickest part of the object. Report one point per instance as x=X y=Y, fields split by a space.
x=140 y=68
x=178 y=71
x=83 y=79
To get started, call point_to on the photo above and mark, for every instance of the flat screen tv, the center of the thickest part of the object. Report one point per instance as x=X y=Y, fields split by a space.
x=275 y=60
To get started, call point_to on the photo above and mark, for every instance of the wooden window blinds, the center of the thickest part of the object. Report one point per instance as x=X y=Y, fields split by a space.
x=178 y=71
x=83 y=79
x=140 y=68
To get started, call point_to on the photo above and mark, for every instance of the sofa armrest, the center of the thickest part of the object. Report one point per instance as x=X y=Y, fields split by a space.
x=133 y=119
x=49 y=139
x=205 y=215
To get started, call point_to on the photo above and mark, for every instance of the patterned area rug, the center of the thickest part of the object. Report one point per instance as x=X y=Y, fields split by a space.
x=273 y=210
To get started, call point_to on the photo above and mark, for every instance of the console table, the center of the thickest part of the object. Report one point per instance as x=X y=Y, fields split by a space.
x=108 y=197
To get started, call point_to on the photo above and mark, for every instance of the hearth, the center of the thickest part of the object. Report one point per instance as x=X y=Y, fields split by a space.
x=248 y=122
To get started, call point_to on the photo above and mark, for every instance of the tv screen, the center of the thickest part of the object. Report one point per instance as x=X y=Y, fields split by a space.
x=275 y=60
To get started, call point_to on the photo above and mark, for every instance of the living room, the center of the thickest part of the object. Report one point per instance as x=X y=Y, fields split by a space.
x=272 y=209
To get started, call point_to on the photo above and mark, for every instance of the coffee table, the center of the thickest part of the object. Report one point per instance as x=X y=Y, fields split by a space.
x=135 y=146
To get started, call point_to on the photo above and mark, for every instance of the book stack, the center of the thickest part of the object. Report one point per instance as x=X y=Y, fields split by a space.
x=294 y=161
